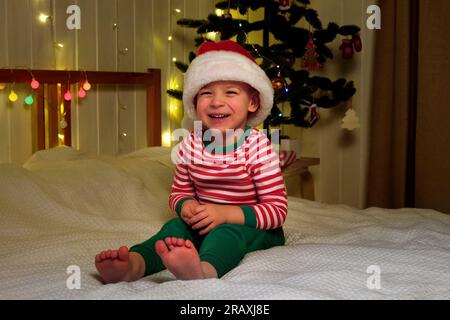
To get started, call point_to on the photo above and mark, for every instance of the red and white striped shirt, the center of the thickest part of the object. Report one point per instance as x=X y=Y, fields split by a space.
x=248 y=176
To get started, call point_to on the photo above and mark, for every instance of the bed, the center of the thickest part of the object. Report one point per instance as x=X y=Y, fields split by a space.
x=63 y=206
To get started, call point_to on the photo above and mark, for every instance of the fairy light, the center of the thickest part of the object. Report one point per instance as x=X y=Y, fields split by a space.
x=29 y=100
x=177 y=10
x=12 y=96
x=174 y=59
x=169 y=38
x=34 y=84
x=219 y=12
x=2 y=86
x=43 y=18
x=166 y=138
x=81 y=93
x=68 y=95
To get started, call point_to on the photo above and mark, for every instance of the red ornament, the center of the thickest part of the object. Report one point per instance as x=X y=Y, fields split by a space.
x=285 y=4
x=314 y=115
x=347 y=48
x=357 y=43
x=278 y=84
x=310 y=61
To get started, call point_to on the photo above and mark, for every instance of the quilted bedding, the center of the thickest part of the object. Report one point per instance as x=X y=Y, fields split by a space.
x=62 y=207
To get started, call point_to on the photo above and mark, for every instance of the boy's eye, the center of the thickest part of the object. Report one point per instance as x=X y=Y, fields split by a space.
x=203 y=93
x=232 y=92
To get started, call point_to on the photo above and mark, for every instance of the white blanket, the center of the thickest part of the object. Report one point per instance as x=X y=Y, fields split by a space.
x=63 y=207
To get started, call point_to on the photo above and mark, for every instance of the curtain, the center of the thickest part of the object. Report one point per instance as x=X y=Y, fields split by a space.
x=393 y=98
x=407 y=166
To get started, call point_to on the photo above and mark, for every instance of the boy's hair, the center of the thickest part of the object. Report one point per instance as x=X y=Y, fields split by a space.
x=227 y=61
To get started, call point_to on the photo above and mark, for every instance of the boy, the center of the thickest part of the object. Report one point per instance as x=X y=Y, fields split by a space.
x=228 y=192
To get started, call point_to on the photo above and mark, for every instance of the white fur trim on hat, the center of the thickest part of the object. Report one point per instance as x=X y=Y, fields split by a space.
x=227 y=66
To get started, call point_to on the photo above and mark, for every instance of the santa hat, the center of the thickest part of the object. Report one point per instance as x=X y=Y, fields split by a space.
x=226 y=61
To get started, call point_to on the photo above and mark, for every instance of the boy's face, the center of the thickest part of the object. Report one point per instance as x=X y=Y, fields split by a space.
x=225 y=105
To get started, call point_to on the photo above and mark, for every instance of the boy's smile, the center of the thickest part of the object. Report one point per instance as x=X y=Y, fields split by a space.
x=226 y=105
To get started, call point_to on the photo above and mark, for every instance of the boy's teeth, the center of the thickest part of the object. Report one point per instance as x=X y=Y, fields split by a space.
x=217 y=115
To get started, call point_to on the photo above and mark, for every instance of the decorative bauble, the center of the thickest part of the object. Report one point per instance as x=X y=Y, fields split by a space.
x=357 y=43
x=347 y=48
x=63 y=124
x=284 y=4
x=310 y=61
x=227 y=14
x=278 y=84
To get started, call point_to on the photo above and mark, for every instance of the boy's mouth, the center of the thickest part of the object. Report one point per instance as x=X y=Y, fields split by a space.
x=218 y=116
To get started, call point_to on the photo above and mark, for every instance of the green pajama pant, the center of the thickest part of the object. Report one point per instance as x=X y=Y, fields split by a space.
x=223 y=247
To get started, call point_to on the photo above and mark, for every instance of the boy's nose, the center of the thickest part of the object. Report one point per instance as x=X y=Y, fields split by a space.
x=217 y=101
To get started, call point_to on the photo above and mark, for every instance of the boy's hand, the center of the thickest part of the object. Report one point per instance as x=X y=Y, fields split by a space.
x=207 y=216
x=188 y=210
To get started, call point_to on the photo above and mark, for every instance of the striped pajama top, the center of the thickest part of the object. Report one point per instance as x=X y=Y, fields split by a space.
x=247 y=175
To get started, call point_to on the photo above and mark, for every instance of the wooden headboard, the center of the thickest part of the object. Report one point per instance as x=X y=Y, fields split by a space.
x=151 y=80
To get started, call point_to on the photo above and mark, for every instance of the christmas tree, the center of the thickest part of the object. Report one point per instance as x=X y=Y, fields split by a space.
x=291 y=60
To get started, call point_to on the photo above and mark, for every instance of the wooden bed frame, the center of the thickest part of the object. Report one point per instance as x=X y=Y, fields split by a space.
x=151 y=80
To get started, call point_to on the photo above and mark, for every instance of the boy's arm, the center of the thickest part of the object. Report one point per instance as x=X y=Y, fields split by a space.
x=182 y=186
x=271 y=210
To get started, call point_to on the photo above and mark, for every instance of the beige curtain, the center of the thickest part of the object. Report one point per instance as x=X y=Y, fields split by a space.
x=407 y=166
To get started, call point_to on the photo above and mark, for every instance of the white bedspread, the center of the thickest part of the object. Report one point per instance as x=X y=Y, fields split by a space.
x=63 y=207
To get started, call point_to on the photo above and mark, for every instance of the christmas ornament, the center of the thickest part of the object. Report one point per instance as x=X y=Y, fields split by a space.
x=347 y=48
x=290 y=59
x=63 y=123
x=284 y=4
x=227 y=14
x=357 y=43
x=278 y=83
x=314 y=115
x=351 y=120
x=310 y=61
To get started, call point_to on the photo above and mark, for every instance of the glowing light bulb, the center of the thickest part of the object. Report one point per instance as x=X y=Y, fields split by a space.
x=29 y=100
x=13 y=96
x=86 y=86
x=219 y=12
x=174 y=59
x=34 y=84
x=2 y=86
x=68 y=95
x=43 y=17
x=81 y=93
x=166 y=139
x=170 y=38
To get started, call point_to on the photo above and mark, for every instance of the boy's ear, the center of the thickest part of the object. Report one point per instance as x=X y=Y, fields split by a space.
x=254 y=102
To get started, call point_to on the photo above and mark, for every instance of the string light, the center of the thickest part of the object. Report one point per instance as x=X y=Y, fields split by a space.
x=81 y=93
x=166 y=138
x=29 y=100
x=34 y=84
x=68 y=95
x=43 y=17
x=12 y=96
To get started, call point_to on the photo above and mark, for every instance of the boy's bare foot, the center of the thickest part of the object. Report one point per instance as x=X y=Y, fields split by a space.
x=180 y=257
x=113 y=265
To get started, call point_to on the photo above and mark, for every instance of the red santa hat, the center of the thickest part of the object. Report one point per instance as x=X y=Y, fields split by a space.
x=226 y=61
